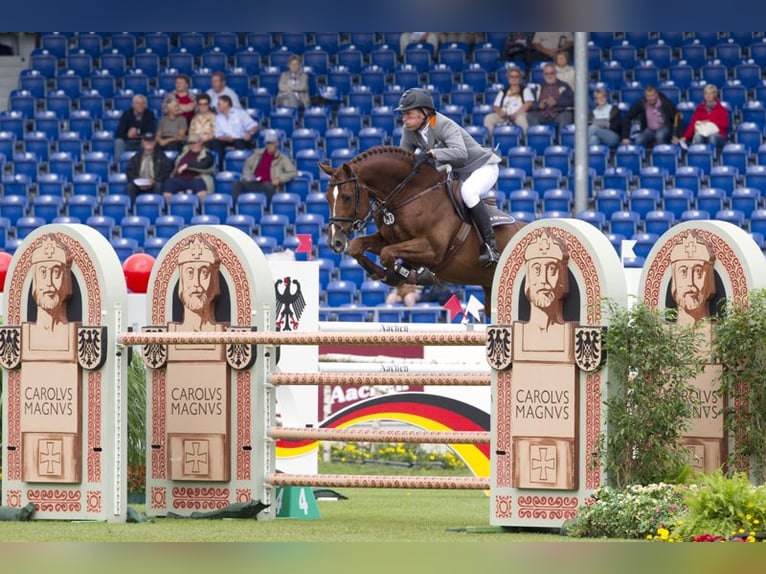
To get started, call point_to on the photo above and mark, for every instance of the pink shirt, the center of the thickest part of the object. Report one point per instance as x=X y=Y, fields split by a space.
x=654 y=119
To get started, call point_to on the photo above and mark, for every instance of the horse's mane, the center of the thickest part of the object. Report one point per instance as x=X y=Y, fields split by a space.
x=380 y=150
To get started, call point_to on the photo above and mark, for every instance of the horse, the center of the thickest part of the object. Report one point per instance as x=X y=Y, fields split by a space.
x=424 y=233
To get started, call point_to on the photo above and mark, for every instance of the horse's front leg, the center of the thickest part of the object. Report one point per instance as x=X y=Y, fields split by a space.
x=373 y=243
x=416 y=251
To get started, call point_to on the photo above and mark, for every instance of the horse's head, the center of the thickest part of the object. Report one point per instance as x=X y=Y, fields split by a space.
x=349 y=205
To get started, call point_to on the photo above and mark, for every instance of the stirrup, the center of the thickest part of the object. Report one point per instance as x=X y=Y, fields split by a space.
x=489 y=255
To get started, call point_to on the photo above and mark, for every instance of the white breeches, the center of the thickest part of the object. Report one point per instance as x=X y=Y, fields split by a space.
x=479 y=182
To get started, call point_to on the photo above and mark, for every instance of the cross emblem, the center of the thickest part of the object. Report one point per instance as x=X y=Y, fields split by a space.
x=49 y=461
x=49 y=248
x=196 y=250
x=690 y=247
x=545 y=244
x=196 y=456
x=542 y=462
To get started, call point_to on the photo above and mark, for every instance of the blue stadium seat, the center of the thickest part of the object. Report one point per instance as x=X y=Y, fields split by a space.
x=93 y=102
x=86 y=184
x=559 y=157
x=274 y=225
x=205 y=219
x=286 y=204
x=102 y=141
x=643 y=200
x=253 y=204
x=660 y=53
x=47 y=207
x=26 y=163
x=245 y=223
x=124 y=247
x=735 y=155
x=168 y=225
x=540 y=137
x=385 y=57
x=47 y=122
x=545 y=178
x=758 y=221
x=594 y=217
x=51 y=184
x=524 y=200
x=218 y=204
x=617 y=178
x=37 y=143
x=754 y=112
x=712 y=73
x=27 y=224
x=688 y=176
x=557 y=200
x=612 y=75
x=81 y=206
x=16 y=184
x=598 y=158
x=624 y=222
x=750 y=135
x=382 y=117
x=733 y=216
x=646 y=73
x=149 y=205
x=61 y=163
x=311 y=224
x=476 y=76
x=340 y=78
x=104 y=224
x=755 y=176
x=185 y=205
x=283 y=118
x=666 y=156
x=81 y=122
x=373 y=293
x=350 y=270
x=371 y=137
x=316 y=203
x=658 y=221
x=115 y=206
x=700 y=156
x=224 y=181
x=308 y=159
x=522 y=157
x=749 y=74
x=710 y=199
x=644 y=243
x=97 y=162
x=610 y=200
x=745 y=199
x=266 y=244
x=181 y=60
x=153 y=245
x=506 y=137
x=694 y=53
x=677 y=200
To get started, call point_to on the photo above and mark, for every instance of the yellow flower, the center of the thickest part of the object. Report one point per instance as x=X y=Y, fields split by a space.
x=664 y=533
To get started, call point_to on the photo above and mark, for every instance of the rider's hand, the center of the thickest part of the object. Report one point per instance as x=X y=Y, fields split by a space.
x=420 y=159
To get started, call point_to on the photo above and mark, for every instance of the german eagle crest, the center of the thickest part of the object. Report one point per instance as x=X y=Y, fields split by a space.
x=290 y=304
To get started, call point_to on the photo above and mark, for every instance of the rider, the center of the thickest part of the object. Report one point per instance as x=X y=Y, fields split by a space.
x=431 y=135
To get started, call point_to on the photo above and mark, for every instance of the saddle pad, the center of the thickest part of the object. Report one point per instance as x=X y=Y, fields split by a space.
x=498 y=217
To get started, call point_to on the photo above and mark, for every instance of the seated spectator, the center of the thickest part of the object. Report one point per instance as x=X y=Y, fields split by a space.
x=183 y=96
x=408 y=38
x=440 y=292
x=134 y=122
x=192 y=171
x=546 y=44
x=405 y=294
x=293 y=91
x=553 y=100
x=267 y=170
x=656 y=119
x=604 y=124
x=171 y=132
x=218 y=88
x=234 y=128
x=710 y=121
x=517 y=46
x=203 y=122
x=467 y=38
x=564 y=71
x=148 y=169
x=511 y=105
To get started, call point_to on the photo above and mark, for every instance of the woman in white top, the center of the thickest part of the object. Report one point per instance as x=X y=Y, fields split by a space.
x=564 y=71
x=511 y=105
x=604 y=122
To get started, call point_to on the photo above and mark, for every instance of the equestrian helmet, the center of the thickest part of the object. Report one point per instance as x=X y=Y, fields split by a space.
x=415 y=98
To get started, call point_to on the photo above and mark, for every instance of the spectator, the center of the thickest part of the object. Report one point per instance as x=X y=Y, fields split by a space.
x=267 y=170
x=218 y=88
x=293 y=89
x=203 y=122
x=656 y=118
x=517 y=46
x=171 y=133
x=192 y=171
x=183 y=96
x=134 y=122
x=511 y=105
x=147 y=170
x=564 y=71
x=710 y=121
x=546 y=44
x=405 y=294
x=408 y=38
x=440 y=292
x=467 y=38
x=604 y=125
x=233 y=128
x=553 y=100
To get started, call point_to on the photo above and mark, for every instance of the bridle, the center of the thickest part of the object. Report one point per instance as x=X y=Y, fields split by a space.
x=378 y=206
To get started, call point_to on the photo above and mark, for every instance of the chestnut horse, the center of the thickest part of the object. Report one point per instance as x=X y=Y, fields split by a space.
x=420 y=218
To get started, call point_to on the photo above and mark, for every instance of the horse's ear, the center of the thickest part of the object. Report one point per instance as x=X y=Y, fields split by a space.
x=327 y=168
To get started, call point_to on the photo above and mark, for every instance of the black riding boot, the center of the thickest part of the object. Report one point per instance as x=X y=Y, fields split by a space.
x=489 y=252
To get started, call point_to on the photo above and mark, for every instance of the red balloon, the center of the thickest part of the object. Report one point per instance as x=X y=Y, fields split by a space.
x=137 y=269
x=5 y=262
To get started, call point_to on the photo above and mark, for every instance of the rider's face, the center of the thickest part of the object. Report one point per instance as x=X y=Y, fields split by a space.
x=413 y=119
